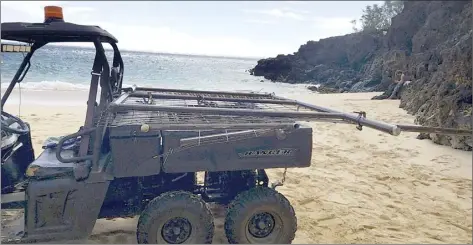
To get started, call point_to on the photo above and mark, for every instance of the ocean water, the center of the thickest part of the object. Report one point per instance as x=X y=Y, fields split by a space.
x=67 y=69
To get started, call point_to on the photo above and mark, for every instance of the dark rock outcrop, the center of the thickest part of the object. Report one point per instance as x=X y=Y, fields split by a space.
x=430 y=41
x=440 y=65
x=334 y=61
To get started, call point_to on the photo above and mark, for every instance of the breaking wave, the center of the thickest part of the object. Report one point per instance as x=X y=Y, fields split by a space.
x=50 y=86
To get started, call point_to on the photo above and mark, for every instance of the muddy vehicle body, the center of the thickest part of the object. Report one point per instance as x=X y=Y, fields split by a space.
x=139 y=151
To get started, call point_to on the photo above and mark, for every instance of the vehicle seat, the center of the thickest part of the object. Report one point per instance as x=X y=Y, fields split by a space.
x=50 y=166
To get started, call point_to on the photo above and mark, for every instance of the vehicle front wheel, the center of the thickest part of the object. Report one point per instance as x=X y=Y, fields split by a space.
x=260 y=215
x=176 y=217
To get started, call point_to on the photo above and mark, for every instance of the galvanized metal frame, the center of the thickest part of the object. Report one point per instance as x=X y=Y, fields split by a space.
x=319 y=112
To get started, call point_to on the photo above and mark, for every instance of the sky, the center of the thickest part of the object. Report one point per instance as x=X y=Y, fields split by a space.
x=217 y=28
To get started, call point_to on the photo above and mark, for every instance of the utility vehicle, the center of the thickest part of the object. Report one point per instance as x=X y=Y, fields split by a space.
x=139 y=150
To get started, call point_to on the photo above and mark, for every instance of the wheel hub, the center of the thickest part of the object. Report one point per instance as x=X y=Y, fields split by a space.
x=176 y=230
x=261 y=225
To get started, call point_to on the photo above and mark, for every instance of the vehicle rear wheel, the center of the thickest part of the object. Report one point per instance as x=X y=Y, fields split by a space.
x=176 y=217
x=260 y=215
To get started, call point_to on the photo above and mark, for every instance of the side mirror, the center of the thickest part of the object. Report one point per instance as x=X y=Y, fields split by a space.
x=16 y=48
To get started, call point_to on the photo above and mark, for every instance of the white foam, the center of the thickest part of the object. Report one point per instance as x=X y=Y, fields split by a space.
x=75 y=92
x=49 y=86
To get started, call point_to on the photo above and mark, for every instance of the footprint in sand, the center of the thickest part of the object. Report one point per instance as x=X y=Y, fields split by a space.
x=382 y=178
x=435 y=237
x=306 y=201
x=326 y=218
x=368 y=227
x=384 y=217
x=114 y=237
x=373 y=146
x=385 y=194
x=410 y=152
x=443 y=159
x=390 y=206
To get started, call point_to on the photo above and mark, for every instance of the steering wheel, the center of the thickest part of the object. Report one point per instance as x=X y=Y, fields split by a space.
x=8 y=120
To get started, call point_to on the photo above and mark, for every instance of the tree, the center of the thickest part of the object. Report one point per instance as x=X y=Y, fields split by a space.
x=353 y=22
x=377 y=17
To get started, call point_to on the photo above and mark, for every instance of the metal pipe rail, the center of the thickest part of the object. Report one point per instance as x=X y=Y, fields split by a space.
x=229 y=126
x=434 y=130
x=193 y=97
x=384 y=127
x=199 y=140
x=204 y=92
x=60 y=144
x=401 y=127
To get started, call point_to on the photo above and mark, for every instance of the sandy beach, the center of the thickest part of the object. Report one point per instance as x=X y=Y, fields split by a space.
x=362 y=187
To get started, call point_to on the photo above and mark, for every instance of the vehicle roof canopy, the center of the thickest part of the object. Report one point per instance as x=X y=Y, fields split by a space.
x=54 y=32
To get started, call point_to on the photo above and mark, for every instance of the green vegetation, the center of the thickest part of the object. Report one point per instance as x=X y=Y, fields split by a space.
x=378 y=18
x=460 y=80
x=468 y=111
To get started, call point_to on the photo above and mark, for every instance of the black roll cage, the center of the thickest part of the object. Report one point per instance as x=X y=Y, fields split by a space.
x=100 y=76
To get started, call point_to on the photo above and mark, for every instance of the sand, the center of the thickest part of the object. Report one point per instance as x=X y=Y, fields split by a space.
x=363 y=186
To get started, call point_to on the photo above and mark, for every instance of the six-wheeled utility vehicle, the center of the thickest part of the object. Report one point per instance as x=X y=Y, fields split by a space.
x=139 y=150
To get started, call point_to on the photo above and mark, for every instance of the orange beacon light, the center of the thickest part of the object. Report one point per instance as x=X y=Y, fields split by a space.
x=53 y=13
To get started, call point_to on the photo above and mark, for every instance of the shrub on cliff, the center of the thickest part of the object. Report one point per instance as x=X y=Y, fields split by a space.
x=378 y=18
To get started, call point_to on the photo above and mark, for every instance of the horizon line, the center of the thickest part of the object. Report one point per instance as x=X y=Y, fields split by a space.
x=148 y=52
x=165 y=53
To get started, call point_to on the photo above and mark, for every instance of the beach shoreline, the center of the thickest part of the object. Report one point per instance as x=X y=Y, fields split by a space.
x=362 y=187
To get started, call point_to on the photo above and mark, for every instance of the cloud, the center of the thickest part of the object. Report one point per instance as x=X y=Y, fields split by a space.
x=168 y=40
x=338 y=23
x=33 y=11
x=295 y=2
x=258 y=21
x=78 y=10
x=278 y=12
x=324 y=27
x=151 y=38
x=298 y=11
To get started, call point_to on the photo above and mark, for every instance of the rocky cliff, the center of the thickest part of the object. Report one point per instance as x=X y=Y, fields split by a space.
x=430 y=41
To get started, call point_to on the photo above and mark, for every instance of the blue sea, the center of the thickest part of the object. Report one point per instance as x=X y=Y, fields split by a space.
x=60 y=68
